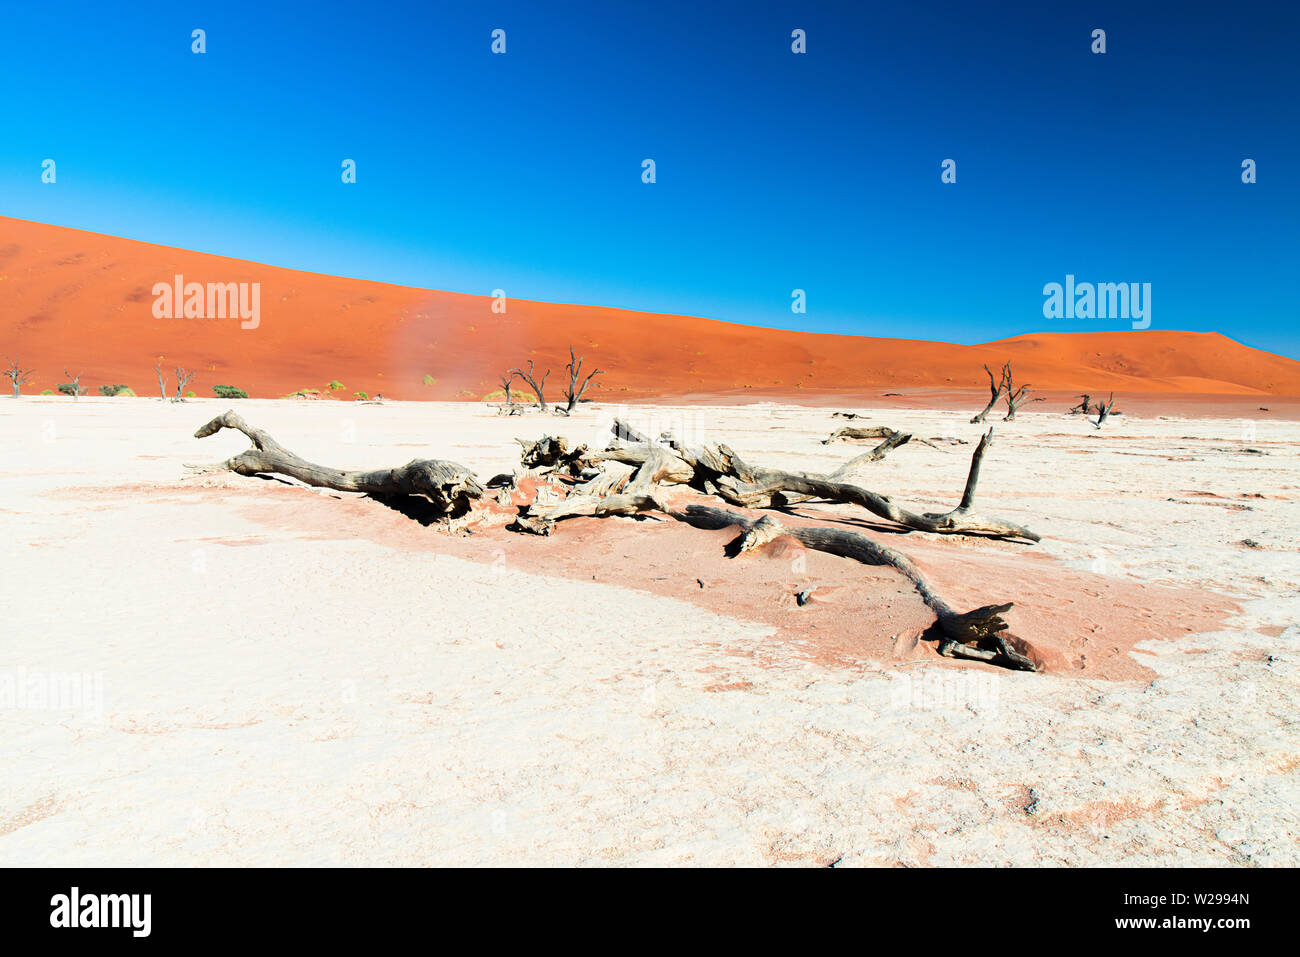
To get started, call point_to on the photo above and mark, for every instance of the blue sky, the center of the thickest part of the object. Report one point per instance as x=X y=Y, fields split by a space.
x=775 y=171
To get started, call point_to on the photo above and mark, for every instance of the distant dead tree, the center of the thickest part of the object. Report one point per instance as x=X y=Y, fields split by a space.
x=1016 y=397
x=162 y=380
x=577 y=385
x=1104 y=410
x=996 y=389
x=507 y=379
x=182 y=380
x=75 y=382
x=1082 y=406
x=18 y=376
x=531 y=379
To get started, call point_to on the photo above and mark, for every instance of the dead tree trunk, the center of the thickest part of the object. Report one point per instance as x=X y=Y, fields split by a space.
x=577 y=385
x=765 y=484
x=996 y=388
x=1082 y=406
x=75 y=382
x=532 y=381
x=893 y=440
x=17 y=377
x=507 y=380
x=450 y=487
x=973 y=634
x=162 y=381
x=182 y=380
x=1104 y=410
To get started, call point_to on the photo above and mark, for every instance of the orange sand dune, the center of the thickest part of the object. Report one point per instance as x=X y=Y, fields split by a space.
x=84 y=301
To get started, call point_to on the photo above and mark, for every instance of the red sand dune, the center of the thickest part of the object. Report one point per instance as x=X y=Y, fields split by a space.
x=84 y=301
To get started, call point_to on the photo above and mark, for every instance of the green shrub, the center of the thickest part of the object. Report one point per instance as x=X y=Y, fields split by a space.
x=361 y=396
x=229 y=392
x=68 y=388
x=47 y=392
x=118 y=389
x=429 y=380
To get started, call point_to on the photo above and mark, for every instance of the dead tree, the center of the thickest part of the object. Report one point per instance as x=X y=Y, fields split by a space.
x=450 y=487
x=631 y=480
x=75 y=383
x=1104 y=411
x=530 y=378
x=507 y=380
x=18 y=377
x=975 y=634
x=1082 y=406
x=182 y=380
x=577 y=385
x=996 y=388
x=162 y=380
x=1016 y=397
x=892 y=439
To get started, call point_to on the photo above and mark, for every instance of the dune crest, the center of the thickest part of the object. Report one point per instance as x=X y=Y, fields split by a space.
x=70 y=298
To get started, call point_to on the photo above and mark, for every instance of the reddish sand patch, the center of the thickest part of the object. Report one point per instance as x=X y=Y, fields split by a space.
x=1070 y=622
x=70 y=298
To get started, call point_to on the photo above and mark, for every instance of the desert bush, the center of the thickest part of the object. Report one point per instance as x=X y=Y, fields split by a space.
x=68 y=388
x=47 y=392
x=112 y=390
x=335 y=386
x=519 y=395
x=229 y=392
x=429 y=380
x=361 y=396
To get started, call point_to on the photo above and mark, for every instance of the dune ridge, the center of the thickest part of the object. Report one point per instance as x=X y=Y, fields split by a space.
x=81 y=300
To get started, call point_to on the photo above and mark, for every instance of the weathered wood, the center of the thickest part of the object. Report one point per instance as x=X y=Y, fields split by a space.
x=449 y=486
x=1105 y=410
x=973 y=634
x=996 y=388
x=537 y=386
x=17 y=376
x=577 y=385
x=960 y=520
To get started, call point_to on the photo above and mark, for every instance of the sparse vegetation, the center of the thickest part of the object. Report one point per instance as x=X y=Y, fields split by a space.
x=229 y=392
x=112 y=390
x=333 y=386
x=360 y=396
x=428 y=380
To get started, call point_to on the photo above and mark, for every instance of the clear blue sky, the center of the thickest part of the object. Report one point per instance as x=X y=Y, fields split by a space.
x=775 y=170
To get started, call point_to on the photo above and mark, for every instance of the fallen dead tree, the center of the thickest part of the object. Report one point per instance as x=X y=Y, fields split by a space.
x=451 y=488
x=560 y=480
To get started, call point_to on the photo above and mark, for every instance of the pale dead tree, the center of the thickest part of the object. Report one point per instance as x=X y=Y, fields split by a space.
x=449 y=488
x=1082 y=406
x=182 y=380
x=531 y=379
x=681 y=482
x=507 y=380
x=162 y=380
x=996 y=388
x=1016 y=397
x=1104 y=411
x=18 y=376
x=75 y=383
x=577 y=385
